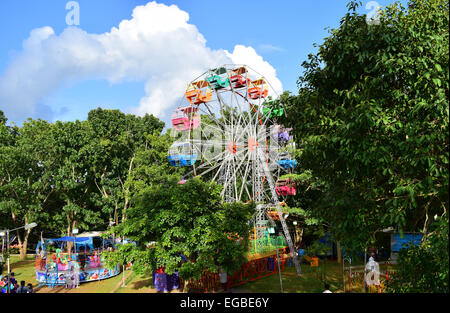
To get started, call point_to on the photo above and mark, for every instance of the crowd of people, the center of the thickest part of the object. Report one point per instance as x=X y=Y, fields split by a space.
x=14 y=286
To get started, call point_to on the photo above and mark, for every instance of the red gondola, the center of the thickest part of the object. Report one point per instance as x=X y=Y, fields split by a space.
x=239 y=79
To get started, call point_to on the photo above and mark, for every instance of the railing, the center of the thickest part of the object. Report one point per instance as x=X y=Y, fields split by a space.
x=249 y=271
x=256 y=269
x=355 y=275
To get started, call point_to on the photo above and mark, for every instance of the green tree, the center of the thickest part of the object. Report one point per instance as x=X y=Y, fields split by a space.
x=74 y=189
x=3 y=118
x=188 y=219
x=24 y=184
x=371 y=119
x=117 y=139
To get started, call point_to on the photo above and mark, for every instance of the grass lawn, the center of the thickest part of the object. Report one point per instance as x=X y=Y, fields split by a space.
x=311 y=281
x=23 y=270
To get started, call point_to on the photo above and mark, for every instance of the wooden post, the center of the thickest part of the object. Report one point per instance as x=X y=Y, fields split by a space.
x=339 y=254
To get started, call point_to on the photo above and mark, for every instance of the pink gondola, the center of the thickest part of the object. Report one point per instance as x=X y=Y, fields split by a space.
x=185 y=118
x=285 y=187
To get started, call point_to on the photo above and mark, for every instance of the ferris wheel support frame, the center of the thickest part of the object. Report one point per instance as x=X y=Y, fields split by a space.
x=280 y=212
x=232 y=171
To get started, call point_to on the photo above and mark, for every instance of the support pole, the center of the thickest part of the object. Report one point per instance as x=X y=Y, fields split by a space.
x=123 y=276
x=7 y=253
x=364 y=268
x=280 y=212
x=278 y=261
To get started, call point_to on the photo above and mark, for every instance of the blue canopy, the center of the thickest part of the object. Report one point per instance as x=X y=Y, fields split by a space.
x=76 y=239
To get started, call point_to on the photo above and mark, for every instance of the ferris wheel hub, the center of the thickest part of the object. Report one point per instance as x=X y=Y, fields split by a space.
x=252 y=144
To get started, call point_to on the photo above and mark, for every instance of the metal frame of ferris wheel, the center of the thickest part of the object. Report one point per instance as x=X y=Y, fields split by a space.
x=244 y=165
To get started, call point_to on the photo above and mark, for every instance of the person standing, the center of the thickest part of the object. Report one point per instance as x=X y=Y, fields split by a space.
x=22 y=288
x=223 y=279
x=42 y=257
x=30 y=288
x=12 y=279
x=1 y=263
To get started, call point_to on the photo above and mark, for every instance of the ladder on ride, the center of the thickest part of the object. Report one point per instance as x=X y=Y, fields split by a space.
x=280 y=212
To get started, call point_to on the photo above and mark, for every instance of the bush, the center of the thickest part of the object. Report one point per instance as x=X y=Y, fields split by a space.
x=424 y=268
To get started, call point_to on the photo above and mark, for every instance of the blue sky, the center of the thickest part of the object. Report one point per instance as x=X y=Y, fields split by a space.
x=281 y=32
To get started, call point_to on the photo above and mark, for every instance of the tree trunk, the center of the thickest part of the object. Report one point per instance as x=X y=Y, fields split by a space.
x=125 y=206
x=299 y=235
x=23 y=248
x=339 y=254
x=23 y=243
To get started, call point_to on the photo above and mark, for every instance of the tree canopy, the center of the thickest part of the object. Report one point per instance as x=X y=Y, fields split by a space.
x=185 y=221
x=371 y=120
x=67 y=175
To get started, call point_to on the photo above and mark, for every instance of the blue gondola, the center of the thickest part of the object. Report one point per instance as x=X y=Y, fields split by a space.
x=182 y=159
x=287 y=164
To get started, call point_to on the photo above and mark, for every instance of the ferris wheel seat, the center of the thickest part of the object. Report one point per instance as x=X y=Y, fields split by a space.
x=238 y=81
x=203 y=97
x=285 y=190
x=283 y=137
x=184 y=123
x=275 y=112
x=196 y=96
x=182 y=159
x=188 y=160
x=285 y=187
x=286 y=164
x=257 y=92
x=218 y=82
x=274 y=215
x=191 y=95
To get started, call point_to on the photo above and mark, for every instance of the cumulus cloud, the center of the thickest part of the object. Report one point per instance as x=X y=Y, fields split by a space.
x=157 y=45
x=268 y=48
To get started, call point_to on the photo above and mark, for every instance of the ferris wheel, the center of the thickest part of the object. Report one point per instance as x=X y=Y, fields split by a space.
x=226 y=131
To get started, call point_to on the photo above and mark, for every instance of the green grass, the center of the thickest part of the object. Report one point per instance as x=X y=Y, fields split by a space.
x=23 y=270
x=311 y=281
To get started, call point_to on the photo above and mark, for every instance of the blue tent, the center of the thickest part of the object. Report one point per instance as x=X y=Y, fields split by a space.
x=71 y=239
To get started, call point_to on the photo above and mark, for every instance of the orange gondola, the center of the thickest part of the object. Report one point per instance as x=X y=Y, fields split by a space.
x=259 y=89
x=198 y=92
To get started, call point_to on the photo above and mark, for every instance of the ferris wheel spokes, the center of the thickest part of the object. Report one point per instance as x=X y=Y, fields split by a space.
x=249 y=156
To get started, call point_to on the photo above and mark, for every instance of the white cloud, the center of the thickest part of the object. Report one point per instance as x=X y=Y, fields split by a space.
x=156 y=45
x=269 y=48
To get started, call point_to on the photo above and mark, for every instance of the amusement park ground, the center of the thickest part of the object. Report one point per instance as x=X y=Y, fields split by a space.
x=310 y=282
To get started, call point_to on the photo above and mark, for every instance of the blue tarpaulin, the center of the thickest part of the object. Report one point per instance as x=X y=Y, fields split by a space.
x=77 y=239
x=398 y=242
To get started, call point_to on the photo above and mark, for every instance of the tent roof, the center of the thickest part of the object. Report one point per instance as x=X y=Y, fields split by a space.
x=77 y=239
x=90 y=234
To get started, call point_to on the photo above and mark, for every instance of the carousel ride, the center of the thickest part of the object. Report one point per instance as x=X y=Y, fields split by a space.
x=72 y=260
x=226 y=131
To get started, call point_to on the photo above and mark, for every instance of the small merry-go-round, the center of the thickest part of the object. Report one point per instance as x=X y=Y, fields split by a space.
x=70 y=261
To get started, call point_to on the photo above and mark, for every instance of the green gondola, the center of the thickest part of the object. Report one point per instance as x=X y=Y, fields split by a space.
x=270 y=111
x=216 y=80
